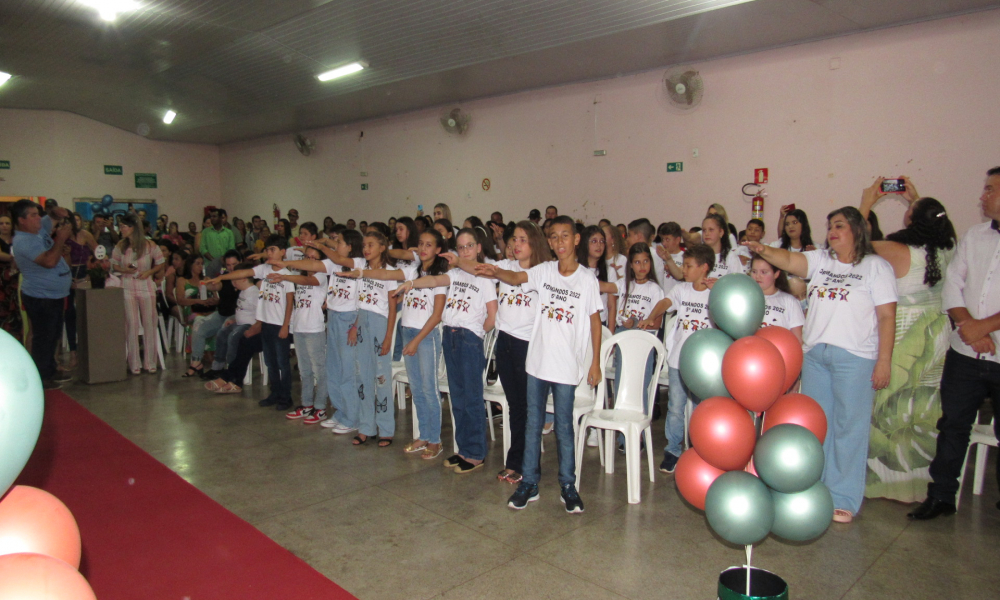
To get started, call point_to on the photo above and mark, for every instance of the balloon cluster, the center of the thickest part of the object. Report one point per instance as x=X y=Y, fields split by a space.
x=104 y=206
x=39 y=538
x=757 y=455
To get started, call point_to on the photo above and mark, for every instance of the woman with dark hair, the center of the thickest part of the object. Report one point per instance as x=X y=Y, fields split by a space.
x=81 y=249
x=138 y=260
x=906 y=412
x=405 y=237
x=590 y=253
x=283 y=228
x=847 y=338
x=447 y=231
x=796 y=235
x=192 y=295
x=328 y=225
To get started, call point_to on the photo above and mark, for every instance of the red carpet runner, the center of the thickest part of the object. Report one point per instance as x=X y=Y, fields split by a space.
x=149 y=534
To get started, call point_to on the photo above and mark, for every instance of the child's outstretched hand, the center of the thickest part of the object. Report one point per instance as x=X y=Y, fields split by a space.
x=277 y=262
x=275 y=277
x=352 y=274
x=451 y=258
x=645 y=324
x=486 y=270
x=212 y=281
x=754 y=247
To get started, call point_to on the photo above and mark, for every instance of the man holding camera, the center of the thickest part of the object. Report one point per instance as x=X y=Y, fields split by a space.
x=38 y=252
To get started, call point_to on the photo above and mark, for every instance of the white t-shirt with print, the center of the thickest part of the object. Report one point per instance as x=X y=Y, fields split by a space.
x=465 y=306
x=667 y=281
x=732 y=264
x=307 y=312
x=246 y=306
x=637 y=302
x=418 y=305
x=272 y=295
x=560 y=348
x=617 y=265
x=842 y=300
x=691 y=307
x=341 y=292
x=782 y=309
x=516 y=305
x=373 y=295
x=612 y=278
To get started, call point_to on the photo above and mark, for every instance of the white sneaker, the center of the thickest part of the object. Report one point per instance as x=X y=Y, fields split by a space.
x=341 y=429
x=331 y=422
x=592 y=438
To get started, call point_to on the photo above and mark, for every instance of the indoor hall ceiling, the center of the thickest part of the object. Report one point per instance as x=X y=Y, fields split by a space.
x=240 y=69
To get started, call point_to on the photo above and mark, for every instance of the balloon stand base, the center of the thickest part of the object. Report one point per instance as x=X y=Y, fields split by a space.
x=763 y=584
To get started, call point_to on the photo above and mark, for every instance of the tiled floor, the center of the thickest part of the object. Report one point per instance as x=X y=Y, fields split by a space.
x=386 y=525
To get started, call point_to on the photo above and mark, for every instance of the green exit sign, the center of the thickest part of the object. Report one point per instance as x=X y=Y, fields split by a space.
x=4 y=164
x=364 y=186
x=676 y=167
x=113 y=170
x=145 y=180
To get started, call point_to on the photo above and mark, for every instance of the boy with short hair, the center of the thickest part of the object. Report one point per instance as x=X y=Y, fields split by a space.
x=671 y=253
x=564 y=349
x=690 y=300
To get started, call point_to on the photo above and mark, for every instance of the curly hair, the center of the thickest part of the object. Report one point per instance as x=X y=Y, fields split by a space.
x=931 y=229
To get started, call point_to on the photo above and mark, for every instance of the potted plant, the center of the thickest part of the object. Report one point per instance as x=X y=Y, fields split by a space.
x=98 y=274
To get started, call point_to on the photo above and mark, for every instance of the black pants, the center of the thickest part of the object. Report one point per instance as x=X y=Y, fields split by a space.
x=248 y=347
x=46 y=316
x=70 y=319
x=965 y=383
x=511 y=355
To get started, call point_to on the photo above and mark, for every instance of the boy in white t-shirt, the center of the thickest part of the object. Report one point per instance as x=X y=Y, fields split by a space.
x=671 y=254
x=564 y=350
x=227 y=340
x=690 y=300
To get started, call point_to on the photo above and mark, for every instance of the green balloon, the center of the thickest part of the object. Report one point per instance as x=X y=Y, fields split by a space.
x=736 y=304
x=739 y=508
x=802 y=516
x=701 y=363
x=789 y=458
x=22 y=402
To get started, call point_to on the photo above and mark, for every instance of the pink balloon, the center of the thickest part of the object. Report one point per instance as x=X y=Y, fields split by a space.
x=790 y=348
x=30 y=576
x=694 y=476
x=723 y=433
x=33 y=520
x=797 y=409
x=754 y=372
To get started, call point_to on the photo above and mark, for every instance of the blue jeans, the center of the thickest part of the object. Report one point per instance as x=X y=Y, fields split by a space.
x=342 y=368
x=203 y=328
x=277 y=355
x=422 y=370
x=841 y=383
x=375 y=377
x=227 y=342
x=311 y=351
x=463 y=355
x=677 y=398
x=563 y=396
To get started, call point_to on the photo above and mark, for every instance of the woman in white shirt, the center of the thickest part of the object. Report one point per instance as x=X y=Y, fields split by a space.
x=591 y=254
x=713 y=233
x=848 y=338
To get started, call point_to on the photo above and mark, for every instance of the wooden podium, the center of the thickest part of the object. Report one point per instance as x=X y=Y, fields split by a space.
x=100 y=318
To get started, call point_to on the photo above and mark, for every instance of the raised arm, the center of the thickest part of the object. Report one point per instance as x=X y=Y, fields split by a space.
x=296 y=279
x=652 y=320
x=329 y=253
x=237 y=274
x=305 y=264
x=790 y=262
x=400 y=254
x=495 y=272
x=377 y=274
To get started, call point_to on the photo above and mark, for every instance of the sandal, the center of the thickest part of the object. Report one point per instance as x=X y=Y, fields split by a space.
x=359 y=441
x=467 y=467
x=229 y=388
x=212 y=386
x=384 y=442
x=452 y=461
x=413 y=448
x=193 y=372
x=511 y=477
x=842 y=516
x=431 y=453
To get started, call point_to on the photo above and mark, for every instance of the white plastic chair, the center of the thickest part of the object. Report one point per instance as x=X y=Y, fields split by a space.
x=628 y=416
x=982 y=437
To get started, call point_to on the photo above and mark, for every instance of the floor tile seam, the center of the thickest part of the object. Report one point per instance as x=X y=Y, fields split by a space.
x=885 y=549
x=473 y=578
x=586 y=580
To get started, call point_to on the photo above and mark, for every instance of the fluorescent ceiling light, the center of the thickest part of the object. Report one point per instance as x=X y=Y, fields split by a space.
x=169 y=117
x=108 y=10
x=354 y=67
x=4 y=77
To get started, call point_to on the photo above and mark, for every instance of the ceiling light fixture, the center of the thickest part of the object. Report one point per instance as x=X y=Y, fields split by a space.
x=109 y=10
x=169 y=117
x=354 y=67
x=4 y=77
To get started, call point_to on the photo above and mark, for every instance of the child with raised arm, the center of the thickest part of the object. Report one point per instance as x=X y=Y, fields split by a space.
x=422 y=310
x=690 y=300
x=564 y=350
x=227 y=340
x=274 y=311
x=469 y=312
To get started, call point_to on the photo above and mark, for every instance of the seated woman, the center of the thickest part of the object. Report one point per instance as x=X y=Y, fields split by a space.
x=194 y=302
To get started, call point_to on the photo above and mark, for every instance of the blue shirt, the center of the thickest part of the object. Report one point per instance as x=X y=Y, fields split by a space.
x=39 y=281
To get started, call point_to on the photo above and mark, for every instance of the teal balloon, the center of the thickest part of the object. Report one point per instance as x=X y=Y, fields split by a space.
x=107 y=200
x=789 y=458
x=96 y=207
x=22 y=402
x=736 y=304
x=739 y=508
x=701 y=363
x=802 y=516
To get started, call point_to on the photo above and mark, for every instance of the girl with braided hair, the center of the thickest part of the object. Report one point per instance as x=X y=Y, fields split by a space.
x=904 y=414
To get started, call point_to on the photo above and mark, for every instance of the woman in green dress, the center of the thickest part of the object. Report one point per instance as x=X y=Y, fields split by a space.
x=904 y=415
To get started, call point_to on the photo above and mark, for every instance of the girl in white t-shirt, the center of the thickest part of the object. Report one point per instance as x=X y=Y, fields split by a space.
x=781 y=308
x=848 y=339
x=613 y=256
x=469 y=312
x=591 y=254
x=714 y=233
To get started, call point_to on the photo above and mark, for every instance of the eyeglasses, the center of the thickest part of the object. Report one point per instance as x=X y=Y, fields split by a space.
x=467 y=247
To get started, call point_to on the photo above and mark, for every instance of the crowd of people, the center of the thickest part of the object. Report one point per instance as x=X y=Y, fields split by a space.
x=899 y=331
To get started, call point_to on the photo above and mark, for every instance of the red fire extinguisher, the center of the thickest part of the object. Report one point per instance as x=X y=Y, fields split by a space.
x=757 y=207
x=277 y=214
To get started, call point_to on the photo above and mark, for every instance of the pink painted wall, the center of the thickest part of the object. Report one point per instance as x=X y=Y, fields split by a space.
x=919 y=100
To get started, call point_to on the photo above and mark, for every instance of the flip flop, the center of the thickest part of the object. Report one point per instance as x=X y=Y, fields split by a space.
x=412 y=448
x=384 y=442
x=358 y=441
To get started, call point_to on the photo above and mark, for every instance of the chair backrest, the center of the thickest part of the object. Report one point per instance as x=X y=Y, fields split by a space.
x=395 y=329
x=489 y=344
x=635 y=347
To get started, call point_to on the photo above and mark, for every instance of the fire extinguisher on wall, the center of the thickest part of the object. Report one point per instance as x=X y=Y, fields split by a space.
x=757 y=200
x=277 y=214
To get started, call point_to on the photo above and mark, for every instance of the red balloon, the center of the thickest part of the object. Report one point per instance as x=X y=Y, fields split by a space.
x=30 y=576
x=694 y=476
x=790 y=348
x=723 y=433
x=797 y=409
x=33 y=520
x=754 y=372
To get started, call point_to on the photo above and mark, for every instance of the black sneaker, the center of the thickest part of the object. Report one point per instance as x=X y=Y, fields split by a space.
x=571 y=498
x=269 y=401
x=283 y=405
x=525 y=493
x=669 y=463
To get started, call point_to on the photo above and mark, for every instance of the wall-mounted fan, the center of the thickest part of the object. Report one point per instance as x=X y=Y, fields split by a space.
x=455 y=121
x=684 y=87
x=303 y=144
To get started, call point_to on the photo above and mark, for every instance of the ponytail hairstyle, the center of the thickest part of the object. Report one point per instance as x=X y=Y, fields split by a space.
x=805 y=238
x=450 y=241
x=486 y=242
x=356 y=241
x=440 y=265
x=635 y=250
x=380 y=238
x=540 y=251
x=471 y=232
x=781 y=278
x=583 y=251
x=724 y=242
x=930 y=228
x=412 y=237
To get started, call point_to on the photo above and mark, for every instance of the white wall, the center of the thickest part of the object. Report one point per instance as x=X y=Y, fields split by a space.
x=61 y=155
x=918 y=100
